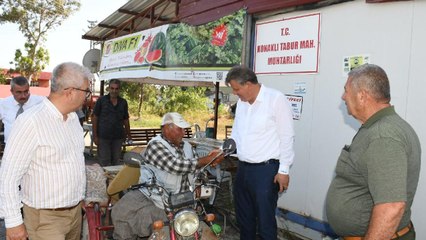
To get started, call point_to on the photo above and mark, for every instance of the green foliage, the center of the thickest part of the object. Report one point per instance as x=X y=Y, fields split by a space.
x=176 y=99
x=2 y=78
x=35 y=18
x=136 y=93
x=132 y=91
x=191 y=45
x=158 y=100
x=191 y=102
x=223 y=110
x=28 y=66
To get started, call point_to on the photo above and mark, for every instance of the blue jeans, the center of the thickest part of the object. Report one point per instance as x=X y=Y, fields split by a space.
x=256 y=197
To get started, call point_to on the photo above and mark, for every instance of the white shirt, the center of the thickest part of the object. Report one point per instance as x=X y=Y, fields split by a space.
x=264 y=130
x=44 y=154
x=9 y=107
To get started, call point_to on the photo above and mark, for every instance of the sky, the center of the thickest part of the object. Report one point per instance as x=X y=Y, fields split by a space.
x=64 y=42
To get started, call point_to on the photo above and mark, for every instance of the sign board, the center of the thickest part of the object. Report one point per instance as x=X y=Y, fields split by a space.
x=296 y=103
x=351 y=62
x=176 y=52
x=289 y=45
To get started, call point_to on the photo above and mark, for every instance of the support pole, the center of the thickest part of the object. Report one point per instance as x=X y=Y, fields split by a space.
x=216 y=108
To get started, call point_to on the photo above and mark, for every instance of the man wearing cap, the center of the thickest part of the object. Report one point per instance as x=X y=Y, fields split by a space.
x=172 y=161
x=12 y=106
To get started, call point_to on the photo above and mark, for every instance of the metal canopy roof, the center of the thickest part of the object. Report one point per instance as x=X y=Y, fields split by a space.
x=134 y=16
x=138 y=15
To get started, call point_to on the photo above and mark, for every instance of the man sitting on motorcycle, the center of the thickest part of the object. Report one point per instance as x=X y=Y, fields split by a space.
x=172 y=161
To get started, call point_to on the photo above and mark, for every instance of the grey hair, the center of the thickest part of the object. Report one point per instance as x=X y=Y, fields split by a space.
x=373 y=79
x=67 y=75
x=20 y=81
x=242 y=75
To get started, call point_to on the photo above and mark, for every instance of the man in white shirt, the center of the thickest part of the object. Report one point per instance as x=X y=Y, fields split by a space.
x=10 y=106
x=264 y=135
x=45 y=155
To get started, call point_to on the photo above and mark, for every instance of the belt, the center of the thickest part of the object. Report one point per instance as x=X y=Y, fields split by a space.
x=270 y=161
x=400 y=233
x=62 y=209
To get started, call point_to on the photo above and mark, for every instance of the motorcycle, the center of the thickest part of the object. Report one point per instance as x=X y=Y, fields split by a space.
x=186 y=213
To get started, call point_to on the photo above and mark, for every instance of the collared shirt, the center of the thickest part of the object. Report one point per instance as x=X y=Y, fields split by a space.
x=264 y=130
x=111 y=117
x=9 y=107
x=44 y=154
x=381 y=165
x=158 y=155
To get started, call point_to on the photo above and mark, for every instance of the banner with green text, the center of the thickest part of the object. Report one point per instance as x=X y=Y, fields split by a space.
x=176 y=51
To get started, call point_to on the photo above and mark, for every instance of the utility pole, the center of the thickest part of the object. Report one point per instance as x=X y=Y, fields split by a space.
x=92 y=24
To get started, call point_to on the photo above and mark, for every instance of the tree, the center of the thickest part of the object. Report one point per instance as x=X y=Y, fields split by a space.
x=160 y=99
x=135 y=92
x=31 y=67
x=35 y=18
x=2 y=77
x=177 y=99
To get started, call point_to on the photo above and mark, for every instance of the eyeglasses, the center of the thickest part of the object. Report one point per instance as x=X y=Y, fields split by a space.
x=87 y=91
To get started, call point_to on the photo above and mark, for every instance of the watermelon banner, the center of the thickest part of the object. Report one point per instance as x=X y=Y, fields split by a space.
x=176 y=52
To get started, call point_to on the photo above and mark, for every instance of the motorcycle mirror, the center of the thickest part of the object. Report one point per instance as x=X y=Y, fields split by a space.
x=229 y=146
x=133 y=159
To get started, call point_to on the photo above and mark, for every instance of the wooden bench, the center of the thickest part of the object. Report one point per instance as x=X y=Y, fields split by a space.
x=141 y=136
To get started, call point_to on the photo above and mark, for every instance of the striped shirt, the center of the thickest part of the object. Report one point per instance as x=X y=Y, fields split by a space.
x=158 y=155
x=44 y=154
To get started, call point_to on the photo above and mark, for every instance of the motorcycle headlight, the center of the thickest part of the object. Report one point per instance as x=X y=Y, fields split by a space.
x=186 y=222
